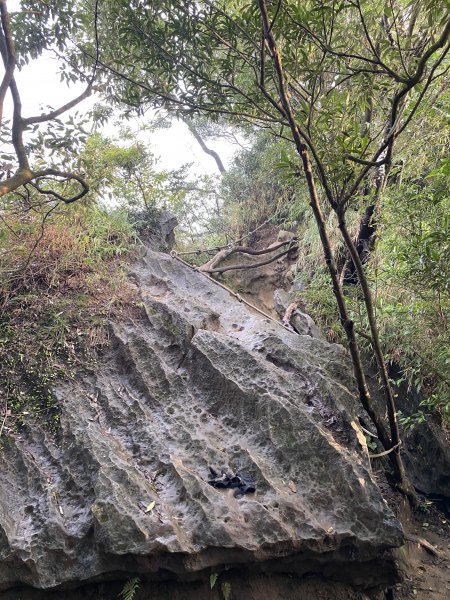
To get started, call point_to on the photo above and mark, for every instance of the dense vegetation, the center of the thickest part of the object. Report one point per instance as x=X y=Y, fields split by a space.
x=408 y=266
x=343 y=107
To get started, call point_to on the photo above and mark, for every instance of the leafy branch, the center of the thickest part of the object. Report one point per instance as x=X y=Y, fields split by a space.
x=25 y=174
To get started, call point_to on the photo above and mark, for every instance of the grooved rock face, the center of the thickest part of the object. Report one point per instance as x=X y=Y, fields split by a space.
x=200 y=382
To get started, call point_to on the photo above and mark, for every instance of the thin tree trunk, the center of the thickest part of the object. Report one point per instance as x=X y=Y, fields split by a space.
x=395 y=456
x=204 y=147
x=347 y=323
x=364 y=245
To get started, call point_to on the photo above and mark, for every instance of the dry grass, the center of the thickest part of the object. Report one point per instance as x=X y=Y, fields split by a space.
x=59 y=285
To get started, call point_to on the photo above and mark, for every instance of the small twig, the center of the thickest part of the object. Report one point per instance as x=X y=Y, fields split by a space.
x=386 y=452
x=39 y=238
x=65 y=177
x=4 y=418
x=368 y=432
x=364 y=335
x=421 y=542
x=10 y=229
x=272 y=23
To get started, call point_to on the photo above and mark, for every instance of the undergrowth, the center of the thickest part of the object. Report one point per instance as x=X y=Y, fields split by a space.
x=62 y=276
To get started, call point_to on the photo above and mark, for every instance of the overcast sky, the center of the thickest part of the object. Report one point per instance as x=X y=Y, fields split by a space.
x=39 y=85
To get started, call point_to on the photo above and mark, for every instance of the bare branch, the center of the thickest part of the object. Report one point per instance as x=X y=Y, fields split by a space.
x=203 y=146
x=25 y=175
x=40 y=236
x=55 y=113
x=10 y=63
x=252 y=252
x=362 y=161
x=87 y=92
x=440 y=43
x=248 y=265
x=52 y=173
x=21 y=177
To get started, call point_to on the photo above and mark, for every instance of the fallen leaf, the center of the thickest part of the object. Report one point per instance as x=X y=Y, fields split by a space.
x=292 y=486
x=150 y=507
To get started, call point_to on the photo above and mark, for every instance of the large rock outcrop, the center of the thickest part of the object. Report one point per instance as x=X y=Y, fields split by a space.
x=200 y=381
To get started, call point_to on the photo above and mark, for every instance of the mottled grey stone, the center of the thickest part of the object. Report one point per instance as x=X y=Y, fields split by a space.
x=300 y=321
x=167 y=222
x=200 y=381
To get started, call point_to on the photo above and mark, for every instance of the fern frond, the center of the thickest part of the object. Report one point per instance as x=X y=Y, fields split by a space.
x=130 y=588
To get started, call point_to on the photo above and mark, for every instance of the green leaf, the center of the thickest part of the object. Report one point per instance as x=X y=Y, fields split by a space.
x=212 y=579
x=130 y=588
x=150 y=507
x=226 y=590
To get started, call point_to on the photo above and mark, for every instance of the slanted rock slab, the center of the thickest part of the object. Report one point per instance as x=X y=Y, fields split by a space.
x=200 y=381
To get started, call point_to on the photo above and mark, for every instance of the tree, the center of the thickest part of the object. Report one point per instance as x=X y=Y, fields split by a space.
x=340 y=79
x=19 y=172
x=382 y=160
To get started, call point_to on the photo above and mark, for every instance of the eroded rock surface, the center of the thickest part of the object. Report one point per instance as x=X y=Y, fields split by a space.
x=201 y=381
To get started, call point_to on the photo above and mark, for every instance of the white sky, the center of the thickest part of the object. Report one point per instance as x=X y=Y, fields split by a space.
x=40 y=86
